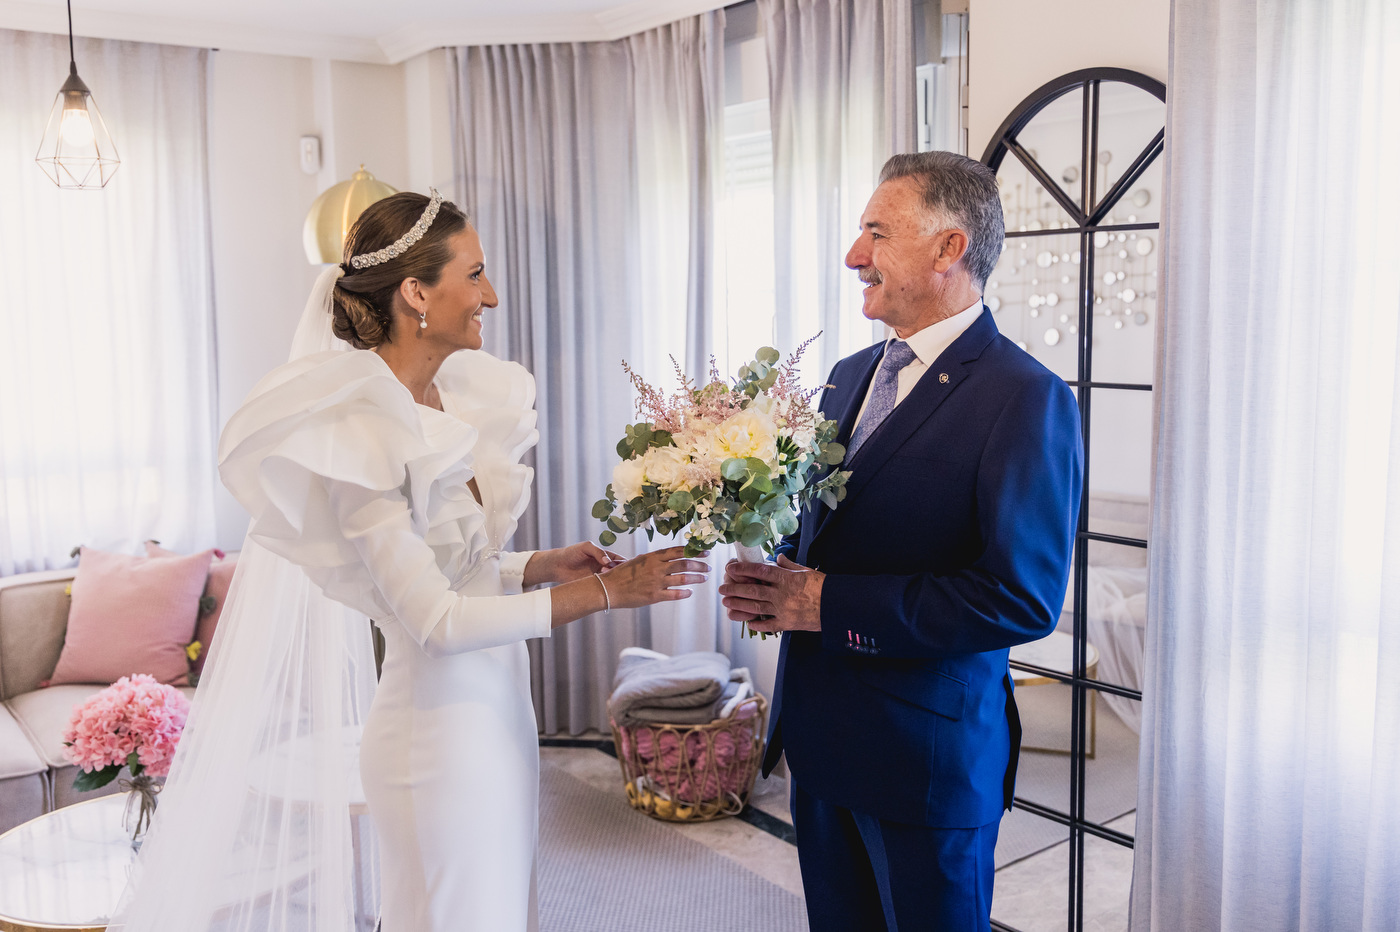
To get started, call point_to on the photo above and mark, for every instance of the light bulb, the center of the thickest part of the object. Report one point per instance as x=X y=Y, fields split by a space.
x=76 y=128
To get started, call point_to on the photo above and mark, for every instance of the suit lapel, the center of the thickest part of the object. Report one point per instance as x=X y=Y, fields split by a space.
x=937 y=383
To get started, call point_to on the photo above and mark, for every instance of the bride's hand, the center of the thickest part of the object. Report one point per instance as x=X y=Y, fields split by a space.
x=566 y=564
x=654 y=577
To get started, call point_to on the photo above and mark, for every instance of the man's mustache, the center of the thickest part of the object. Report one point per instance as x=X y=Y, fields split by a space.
x=871 y=275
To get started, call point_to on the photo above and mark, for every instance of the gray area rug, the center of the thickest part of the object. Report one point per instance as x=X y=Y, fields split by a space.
x=1110 y=787
x=605 y=867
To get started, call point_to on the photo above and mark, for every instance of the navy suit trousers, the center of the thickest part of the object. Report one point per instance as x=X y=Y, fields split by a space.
x=865 y=874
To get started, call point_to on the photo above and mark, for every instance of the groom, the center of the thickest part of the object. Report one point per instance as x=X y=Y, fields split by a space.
x=893 y=699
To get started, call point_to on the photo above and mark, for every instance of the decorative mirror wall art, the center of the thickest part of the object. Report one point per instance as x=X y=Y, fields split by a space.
x=1037 y=269
x=1079 y=170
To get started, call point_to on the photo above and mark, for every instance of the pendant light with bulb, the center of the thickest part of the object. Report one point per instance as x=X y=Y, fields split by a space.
x=77 y=151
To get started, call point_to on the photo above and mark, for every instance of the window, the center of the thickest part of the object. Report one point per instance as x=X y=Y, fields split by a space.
x=746 y=313
x=106 y=407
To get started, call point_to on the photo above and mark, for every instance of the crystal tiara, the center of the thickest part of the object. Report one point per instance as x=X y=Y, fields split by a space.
x=401 y=245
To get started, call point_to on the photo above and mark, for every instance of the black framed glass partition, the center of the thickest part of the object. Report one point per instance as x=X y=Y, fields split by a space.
x=1078 y=163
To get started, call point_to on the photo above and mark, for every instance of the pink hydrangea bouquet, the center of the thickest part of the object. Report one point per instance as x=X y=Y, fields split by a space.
x=134 y=723
x=732 y=462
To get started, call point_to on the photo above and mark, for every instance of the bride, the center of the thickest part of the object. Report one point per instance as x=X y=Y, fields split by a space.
x=381 y=467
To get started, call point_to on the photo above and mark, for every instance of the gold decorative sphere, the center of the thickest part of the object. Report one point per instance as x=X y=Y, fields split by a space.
x=335 y=211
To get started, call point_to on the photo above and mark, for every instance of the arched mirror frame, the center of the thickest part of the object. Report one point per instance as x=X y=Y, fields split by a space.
x=1093 y=217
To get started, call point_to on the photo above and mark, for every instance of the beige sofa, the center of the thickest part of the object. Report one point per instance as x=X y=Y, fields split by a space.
x=34 y=776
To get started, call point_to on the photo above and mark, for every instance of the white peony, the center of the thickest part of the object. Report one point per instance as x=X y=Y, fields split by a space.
x=750 y=432
x=665 y=467
x=627 y=481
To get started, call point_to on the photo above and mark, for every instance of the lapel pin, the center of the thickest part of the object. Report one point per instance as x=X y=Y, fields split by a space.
x=943 y=377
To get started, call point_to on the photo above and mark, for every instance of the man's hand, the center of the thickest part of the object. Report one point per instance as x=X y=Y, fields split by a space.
x=785 y=597
x=569 y=563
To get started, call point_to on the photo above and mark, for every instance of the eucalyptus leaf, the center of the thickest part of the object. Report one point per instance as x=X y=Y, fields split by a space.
x=735 y=470
x=680 y=502
x=829 y=499
x=624 y=448
x=661 y=438
x=834 y=454
x=785 y=523
x=601 y=509
x=607 y=538
x=754 y=534
x=769 y=355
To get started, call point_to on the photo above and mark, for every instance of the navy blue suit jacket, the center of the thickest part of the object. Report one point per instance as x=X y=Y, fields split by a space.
x=953 y=544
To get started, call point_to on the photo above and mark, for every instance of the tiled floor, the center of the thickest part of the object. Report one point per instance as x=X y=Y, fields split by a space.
x=1030 y=894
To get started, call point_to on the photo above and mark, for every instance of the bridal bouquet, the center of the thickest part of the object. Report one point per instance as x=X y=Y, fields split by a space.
x=732 y=462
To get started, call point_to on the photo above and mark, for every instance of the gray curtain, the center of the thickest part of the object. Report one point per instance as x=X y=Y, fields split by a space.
x=589 y=171
x=1271 y=719
x=841 y=94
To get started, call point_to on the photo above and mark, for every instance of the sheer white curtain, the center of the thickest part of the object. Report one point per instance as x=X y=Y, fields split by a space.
x=841 y=91
x=590 y=170
x=106 y=422
x=1271 y=731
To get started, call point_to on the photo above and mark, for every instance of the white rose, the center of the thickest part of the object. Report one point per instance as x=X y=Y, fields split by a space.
x=665 y=467
x=750 y=432
x=627 y=479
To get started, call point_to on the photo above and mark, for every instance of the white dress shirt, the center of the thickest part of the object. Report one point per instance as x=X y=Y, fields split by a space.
x=928 y=344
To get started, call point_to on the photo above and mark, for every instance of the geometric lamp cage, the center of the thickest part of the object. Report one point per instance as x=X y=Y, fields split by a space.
x=77 y=151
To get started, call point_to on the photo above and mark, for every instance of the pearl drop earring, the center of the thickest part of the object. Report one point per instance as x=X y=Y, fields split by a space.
x=422 y=320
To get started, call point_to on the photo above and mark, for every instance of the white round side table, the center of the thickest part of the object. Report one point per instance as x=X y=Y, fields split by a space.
x=66 y=869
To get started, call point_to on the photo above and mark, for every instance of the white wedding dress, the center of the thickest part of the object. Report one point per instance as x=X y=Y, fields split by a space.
x=358 y=490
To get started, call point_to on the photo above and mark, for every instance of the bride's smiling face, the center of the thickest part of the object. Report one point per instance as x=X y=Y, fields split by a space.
x=456 y=304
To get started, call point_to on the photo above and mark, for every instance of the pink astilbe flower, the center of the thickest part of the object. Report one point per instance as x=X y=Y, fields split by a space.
x=134 y=714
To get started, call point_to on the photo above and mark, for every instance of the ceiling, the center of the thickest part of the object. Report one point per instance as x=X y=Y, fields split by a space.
x=350 y=30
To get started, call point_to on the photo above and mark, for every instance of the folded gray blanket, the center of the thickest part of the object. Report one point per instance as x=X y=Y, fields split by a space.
x=666 y=686
x=662 y=715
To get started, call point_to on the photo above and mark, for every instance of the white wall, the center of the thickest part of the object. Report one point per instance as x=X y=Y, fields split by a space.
x=428 y=119
x=260 y=105
x=1018 y=45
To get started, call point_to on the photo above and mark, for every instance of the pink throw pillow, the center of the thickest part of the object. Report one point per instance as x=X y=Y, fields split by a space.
x=131 y=615
x=220 y=577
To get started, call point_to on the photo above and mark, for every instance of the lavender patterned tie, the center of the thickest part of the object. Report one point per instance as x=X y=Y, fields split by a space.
x=884 y=389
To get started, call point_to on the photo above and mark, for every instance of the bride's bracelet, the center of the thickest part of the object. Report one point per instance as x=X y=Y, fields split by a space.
x=608 y=598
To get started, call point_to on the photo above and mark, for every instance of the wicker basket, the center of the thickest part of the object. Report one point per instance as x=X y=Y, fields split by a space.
x=693 y=773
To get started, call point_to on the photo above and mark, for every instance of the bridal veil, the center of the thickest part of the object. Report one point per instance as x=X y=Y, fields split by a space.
x=262 y=823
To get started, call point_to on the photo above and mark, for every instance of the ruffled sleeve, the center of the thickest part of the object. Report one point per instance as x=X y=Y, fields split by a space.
x=497 y=398
x=343 y=477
